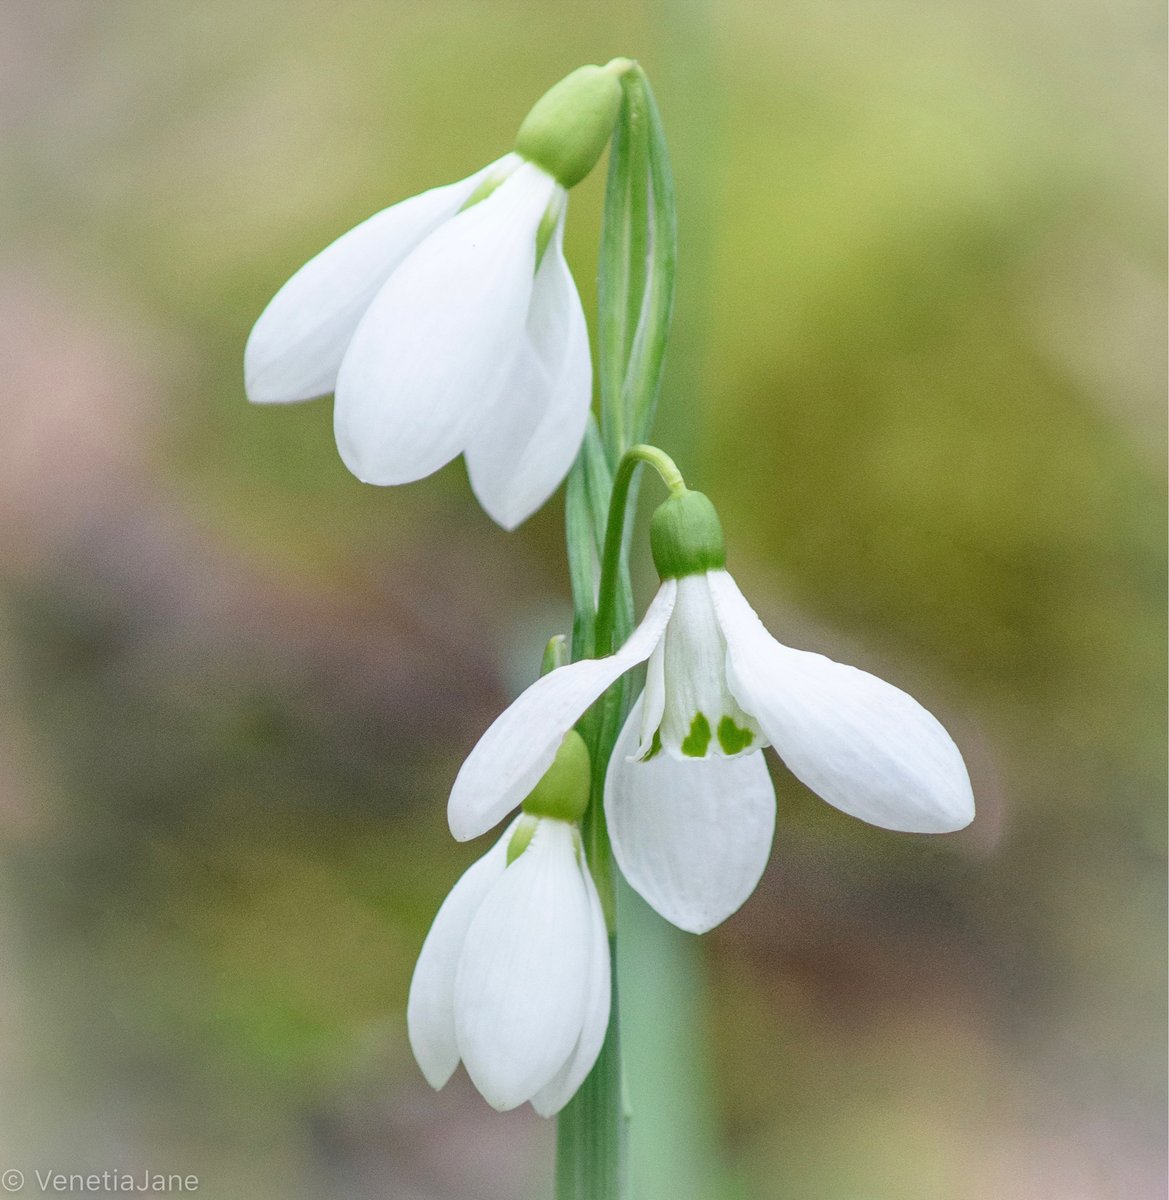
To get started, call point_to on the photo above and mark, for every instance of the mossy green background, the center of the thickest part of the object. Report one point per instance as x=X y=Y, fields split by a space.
x=919 y=366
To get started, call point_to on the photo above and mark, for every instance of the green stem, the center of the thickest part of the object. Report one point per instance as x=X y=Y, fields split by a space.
x=615 y=530
x=635 y=297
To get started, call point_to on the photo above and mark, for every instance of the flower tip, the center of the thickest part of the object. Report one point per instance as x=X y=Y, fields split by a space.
x=462 y=827
x=619 y=66
x=947 y=814
x=355 y=451
x=258 y=385
x=465 y=812
x=506 y=518
x=961 y=815
x=954 y=807
x=435 y=1075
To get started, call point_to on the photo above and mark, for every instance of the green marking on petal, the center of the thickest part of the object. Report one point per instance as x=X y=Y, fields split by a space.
x=655 y=747
x=488 y=185
x=698 y=739
x=731 y=738
x=548 y=226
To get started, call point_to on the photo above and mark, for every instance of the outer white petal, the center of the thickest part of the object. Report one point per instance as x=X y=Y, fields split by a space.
x=523 y=978
x=439 y=341
x=296 y=346
x=512 y=756
x=692 y=836
x=860 y=743
x=430 y=1010
x=652 y=701
x=551 y=1098
x=519 y=456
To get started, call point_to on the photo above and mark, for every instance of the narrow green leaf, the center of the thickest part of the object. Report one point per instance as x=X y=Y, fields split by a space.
x=580 y=542
x=647 y=356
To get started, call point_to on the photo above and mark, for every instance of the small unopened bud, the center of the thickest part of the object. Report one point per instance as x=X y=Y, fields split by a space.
x=686 y=537
x=563 y=793
x=570 y=125
x=555 y=654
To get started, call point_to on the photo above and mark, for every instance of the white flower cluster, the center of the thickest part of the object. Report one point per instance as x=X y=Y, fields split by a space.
x=449 y=324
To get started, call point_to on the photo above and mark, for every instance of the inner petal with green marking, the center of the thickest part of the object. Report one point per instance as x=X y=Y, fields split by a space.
x=688 y=710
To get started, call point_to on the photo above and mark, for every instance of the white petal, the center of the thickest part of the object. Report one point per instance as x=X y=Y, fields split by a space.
x=860 y=743
x=512 y=756
x=430 y=1010
x=523 y=977
x=653 y=700
x=296 y=346
x=438 y=342
x=523 y=451
x=551 y=1098
x=692 y=836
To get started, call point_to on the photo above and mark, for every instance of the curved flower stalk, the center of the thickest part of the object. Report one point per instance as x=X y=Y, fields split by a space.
x=689 y=803
x=513 y=978
x=450 y=324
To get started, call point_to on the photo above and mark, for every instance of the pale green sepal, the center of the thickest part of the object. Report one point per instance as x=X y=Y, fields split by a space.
x=570 y=125
x=563 y=793
x=686 y=536
x=547 y=226
x=555 y=654
x=521 y=838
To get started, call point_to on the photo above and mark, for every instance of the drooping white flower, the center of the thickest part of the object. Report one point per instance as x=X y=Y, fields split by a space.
x=513 y=978
x=450 y=324
x=689 y=802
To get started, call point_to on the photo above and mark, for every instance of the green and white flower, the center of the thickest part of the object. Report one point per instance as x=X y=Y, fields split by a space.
x=513 y=978
x=450 y=324
x=689 y=802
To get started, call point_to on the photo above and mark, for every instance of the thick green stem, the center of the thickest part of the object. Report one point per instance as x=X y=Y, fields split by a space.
x=635 y=293
x=593 y=1130
x=592 y=1134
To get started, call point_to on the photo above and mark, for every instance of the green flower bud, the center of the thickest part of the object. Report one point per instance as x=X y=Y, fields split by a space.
x=686 y=536
x=563 y=793
x=567 y=130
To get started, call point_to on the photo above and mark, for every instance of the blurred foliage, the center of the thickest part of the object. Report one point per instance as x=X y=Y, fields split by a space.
x=918 y=360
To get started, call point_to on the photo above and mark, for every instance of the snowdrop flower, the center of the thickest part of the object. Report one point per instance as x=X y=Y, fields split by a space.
x=449 y=323
x=513 y=978
x=689 y=802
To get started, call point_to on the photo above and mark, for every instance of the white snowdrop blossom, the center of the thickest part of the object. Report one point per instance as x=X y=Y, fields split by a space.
x=450 y=324
x=689 y=802
x=513 y=978
x=441 y=336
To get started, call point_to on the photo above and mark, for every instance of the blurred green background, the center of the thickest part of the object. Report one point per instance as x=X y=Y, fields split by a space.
x=918 y=361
